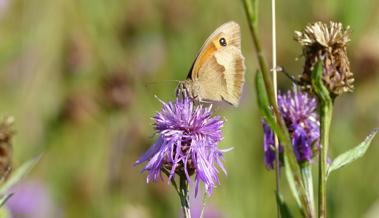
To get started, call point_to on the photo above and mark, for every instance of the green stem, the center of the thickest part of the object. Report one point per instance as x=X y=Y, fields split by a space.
x=277 y=173
x=184 y=200
x=204 y=205
x=325 y=121
x=306 y=173
x=326 y=111
x=285 y=137
x=182 y=191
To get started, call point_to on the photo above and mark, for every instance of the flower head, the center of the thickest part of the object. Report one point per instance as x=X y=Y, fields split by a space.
x=298 y=110
x=187 y=143
x=31 y=199
x=327 y=43
x=6 y=150
x=269 y=146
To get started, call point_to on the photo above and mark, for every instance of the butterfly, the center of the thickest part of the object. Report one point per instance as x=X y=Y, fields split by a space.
x=218 y=72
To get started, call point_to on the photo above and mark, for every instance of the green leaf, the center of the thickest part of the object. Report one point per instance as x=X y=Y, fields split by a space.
x=318 y=84
x=255 y=9
x=291 y=182
x=261 y=94
x=283 y=208
x=4 y=199
x=251 y=7
x=352 y=154
x=264 y=106
x=19 y=173
x=291 y=166
x=307 y=177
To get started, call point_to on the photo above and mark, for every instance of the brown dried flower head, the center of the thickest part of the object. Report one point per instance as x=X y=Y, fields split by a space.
x=327 y=42
x=6 y=133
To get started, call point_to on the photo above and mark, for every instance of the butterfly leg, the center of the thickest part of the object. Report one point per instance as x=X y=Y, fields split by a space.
x=206 y=102
x=181 y=91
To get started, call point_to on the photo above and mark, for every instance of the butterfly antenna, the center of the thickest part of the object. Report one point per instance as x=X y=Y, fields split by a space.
x=163 y=81
x=288 y=75
x=146 y=84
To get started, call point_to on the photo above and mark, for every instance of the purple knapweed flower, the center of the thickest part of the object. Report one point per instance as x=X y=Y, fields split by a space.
x=298 y=110
x=31 y=199
x=269 y=146
x=187 y=144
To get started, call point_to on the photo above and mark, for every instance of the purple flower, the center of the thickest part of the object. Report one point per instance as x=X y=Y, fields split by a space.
x=187 y=144
x=31 y=199
x=298 y=110
x=269 y=146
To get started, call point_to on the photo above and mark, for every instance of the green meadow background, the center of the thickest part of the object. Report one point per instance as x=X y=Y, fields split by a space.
x=80 y=76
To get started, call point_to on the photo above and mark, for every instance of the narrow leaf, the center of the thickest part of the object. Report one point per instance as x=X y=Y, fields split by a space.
x=4 y=199
x=291 y=182
x=318 y=84
x=283 y=208
x=251 y=7
x=19 y=173
x=307 y=177
x=264 y=106
x=262 y=95
x=291 y=167
x=255 y=9
x=352 y=154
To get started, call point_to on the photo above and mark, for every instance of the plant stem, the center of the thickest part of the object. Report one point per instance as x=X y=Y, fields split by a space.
x=204 y=205
x=184 y=200
x=274 y=78
x=306 y=173
x=325 y=121
x=326 y=111
x=285 y=140
x=182 y=191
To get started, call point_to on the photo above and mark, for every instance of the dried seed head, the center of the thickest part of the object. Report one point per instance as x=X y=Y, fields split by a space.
x=6 y=133
x=327 y=42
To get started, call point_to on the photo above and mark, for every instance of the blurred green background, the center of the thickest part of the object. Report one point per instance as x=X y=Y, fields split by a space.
x=80 y=78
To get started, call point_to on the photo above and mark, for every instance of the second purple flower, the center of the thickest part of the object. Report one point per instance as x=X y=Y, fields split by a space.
x=298 y=110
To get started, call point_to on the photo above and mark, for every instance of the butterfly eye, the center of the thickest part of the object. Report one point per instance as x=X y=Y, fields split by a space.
x=222 y=41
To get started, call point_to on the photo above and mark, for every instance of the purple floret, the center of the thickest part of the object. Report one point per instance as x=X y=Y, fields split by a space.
x=187 y=144
x=298 y=110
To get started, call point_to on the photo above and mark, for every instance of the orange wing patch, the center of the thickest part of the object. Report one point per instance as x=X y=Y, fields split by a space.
x=202 y=58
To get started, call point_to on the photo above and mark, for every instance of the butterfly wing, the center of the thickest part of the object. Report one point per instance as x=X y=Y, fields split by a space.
x=230 y=31
x=218 y=72
x=222 y=77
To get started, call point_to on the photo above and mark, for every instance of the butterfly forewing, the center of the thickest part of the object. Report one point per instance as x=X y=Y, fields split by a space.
x=224 y=75
x=218 y=71
x=211 y=83
x=230 y=31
